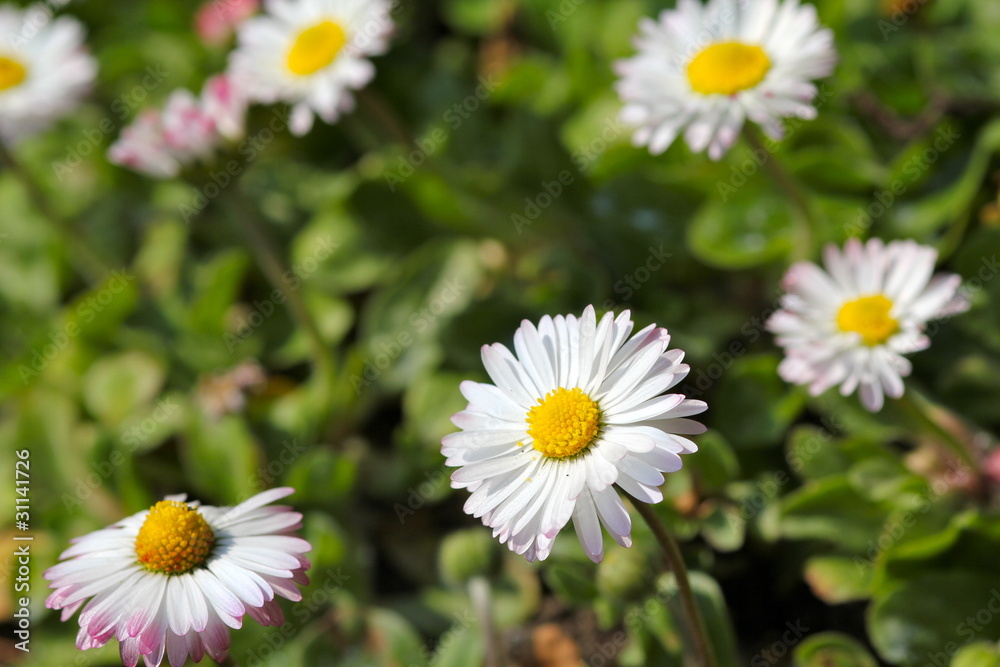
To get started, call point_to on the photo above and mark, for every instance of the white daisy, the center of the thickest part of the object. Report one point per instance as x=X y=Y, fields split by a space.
x=172 y=578
x=160 y=144
x=704 y=69
x=44 y=69
x=579 y=408
x=311 y=54
x=850 y=324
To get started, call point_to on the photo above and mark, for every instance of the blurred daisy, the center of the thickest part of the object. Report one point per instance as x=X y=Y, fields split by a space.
x=172 y=578
x=44 y=71
x=161 y=143
x=850 y=324
x=704 y=69
x=311 y=54
x=579 y=408
x=216 y=20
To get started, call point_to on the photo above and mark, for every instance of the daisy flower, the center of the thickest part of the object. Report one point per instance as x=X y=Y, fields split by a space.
x=174 y=577
x=850 y=324
x=704 y=69
x=311 y=54
x=44 y=71
x=161 y=143
x=579 y=408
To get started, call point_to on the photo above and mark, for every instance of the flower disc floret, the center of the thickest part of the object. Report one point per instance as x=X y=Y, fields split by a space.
x=12 y=73
x=564 y=423
x=316 y=47
x=868 y=316
x=727 y=68
x=174 y=539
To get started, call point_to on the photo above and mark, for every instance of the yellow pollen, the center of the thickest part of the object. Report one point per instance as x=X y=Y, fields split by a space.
x=12 y=73
x=868 y=316
x=316 y=47
x=726 y=68
x=174 y=539
x=564 y=423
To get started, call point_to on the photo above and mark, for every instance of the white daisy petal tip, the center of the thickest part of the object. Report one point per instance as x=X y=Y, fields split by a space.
x=848 y=323
x=180 y=566
x=604 y=419
x=749 y=66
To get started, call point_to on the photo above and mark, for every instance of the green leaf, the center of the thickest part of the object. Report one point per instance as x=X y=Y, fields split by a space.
x=223 y=445
x=980 y=654
x=839 y=579
x=814 y=453
x=832 y=509
x=460 y=646
x=743 y=228
x=321 y=475
x=832 y=649
x=716 y=463
x=926 y=216
x=393 y=641
x=758 y=404
x=217 y=284
x=931 y=616
x=114 y=387
x=724 y=528
x=402 y=323
x=574 y=582
x=478 y=17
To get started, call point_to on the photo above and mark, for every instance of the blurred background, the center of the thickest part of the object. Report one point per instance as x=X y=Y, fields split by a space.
x=148 y=347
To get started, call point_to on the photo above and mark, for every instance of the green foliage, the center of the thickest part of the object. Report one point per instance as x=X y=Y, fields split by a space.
x=409 y=256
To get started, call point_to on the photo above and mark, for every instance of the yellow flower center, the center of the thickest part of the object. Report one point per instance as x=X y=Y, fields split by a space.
x=564 y=423
x=868 y=316
x=316 y=47
x=174 y=539
x=726 y=68
x=12 y=73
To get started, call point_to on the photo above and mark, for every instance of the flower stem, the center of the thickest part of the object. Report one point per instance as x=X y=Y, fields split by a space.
x=85 y=260
x=479 y=592
x=675 y=561
x=807 y=226
x=921 y=410
x=275 y=271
